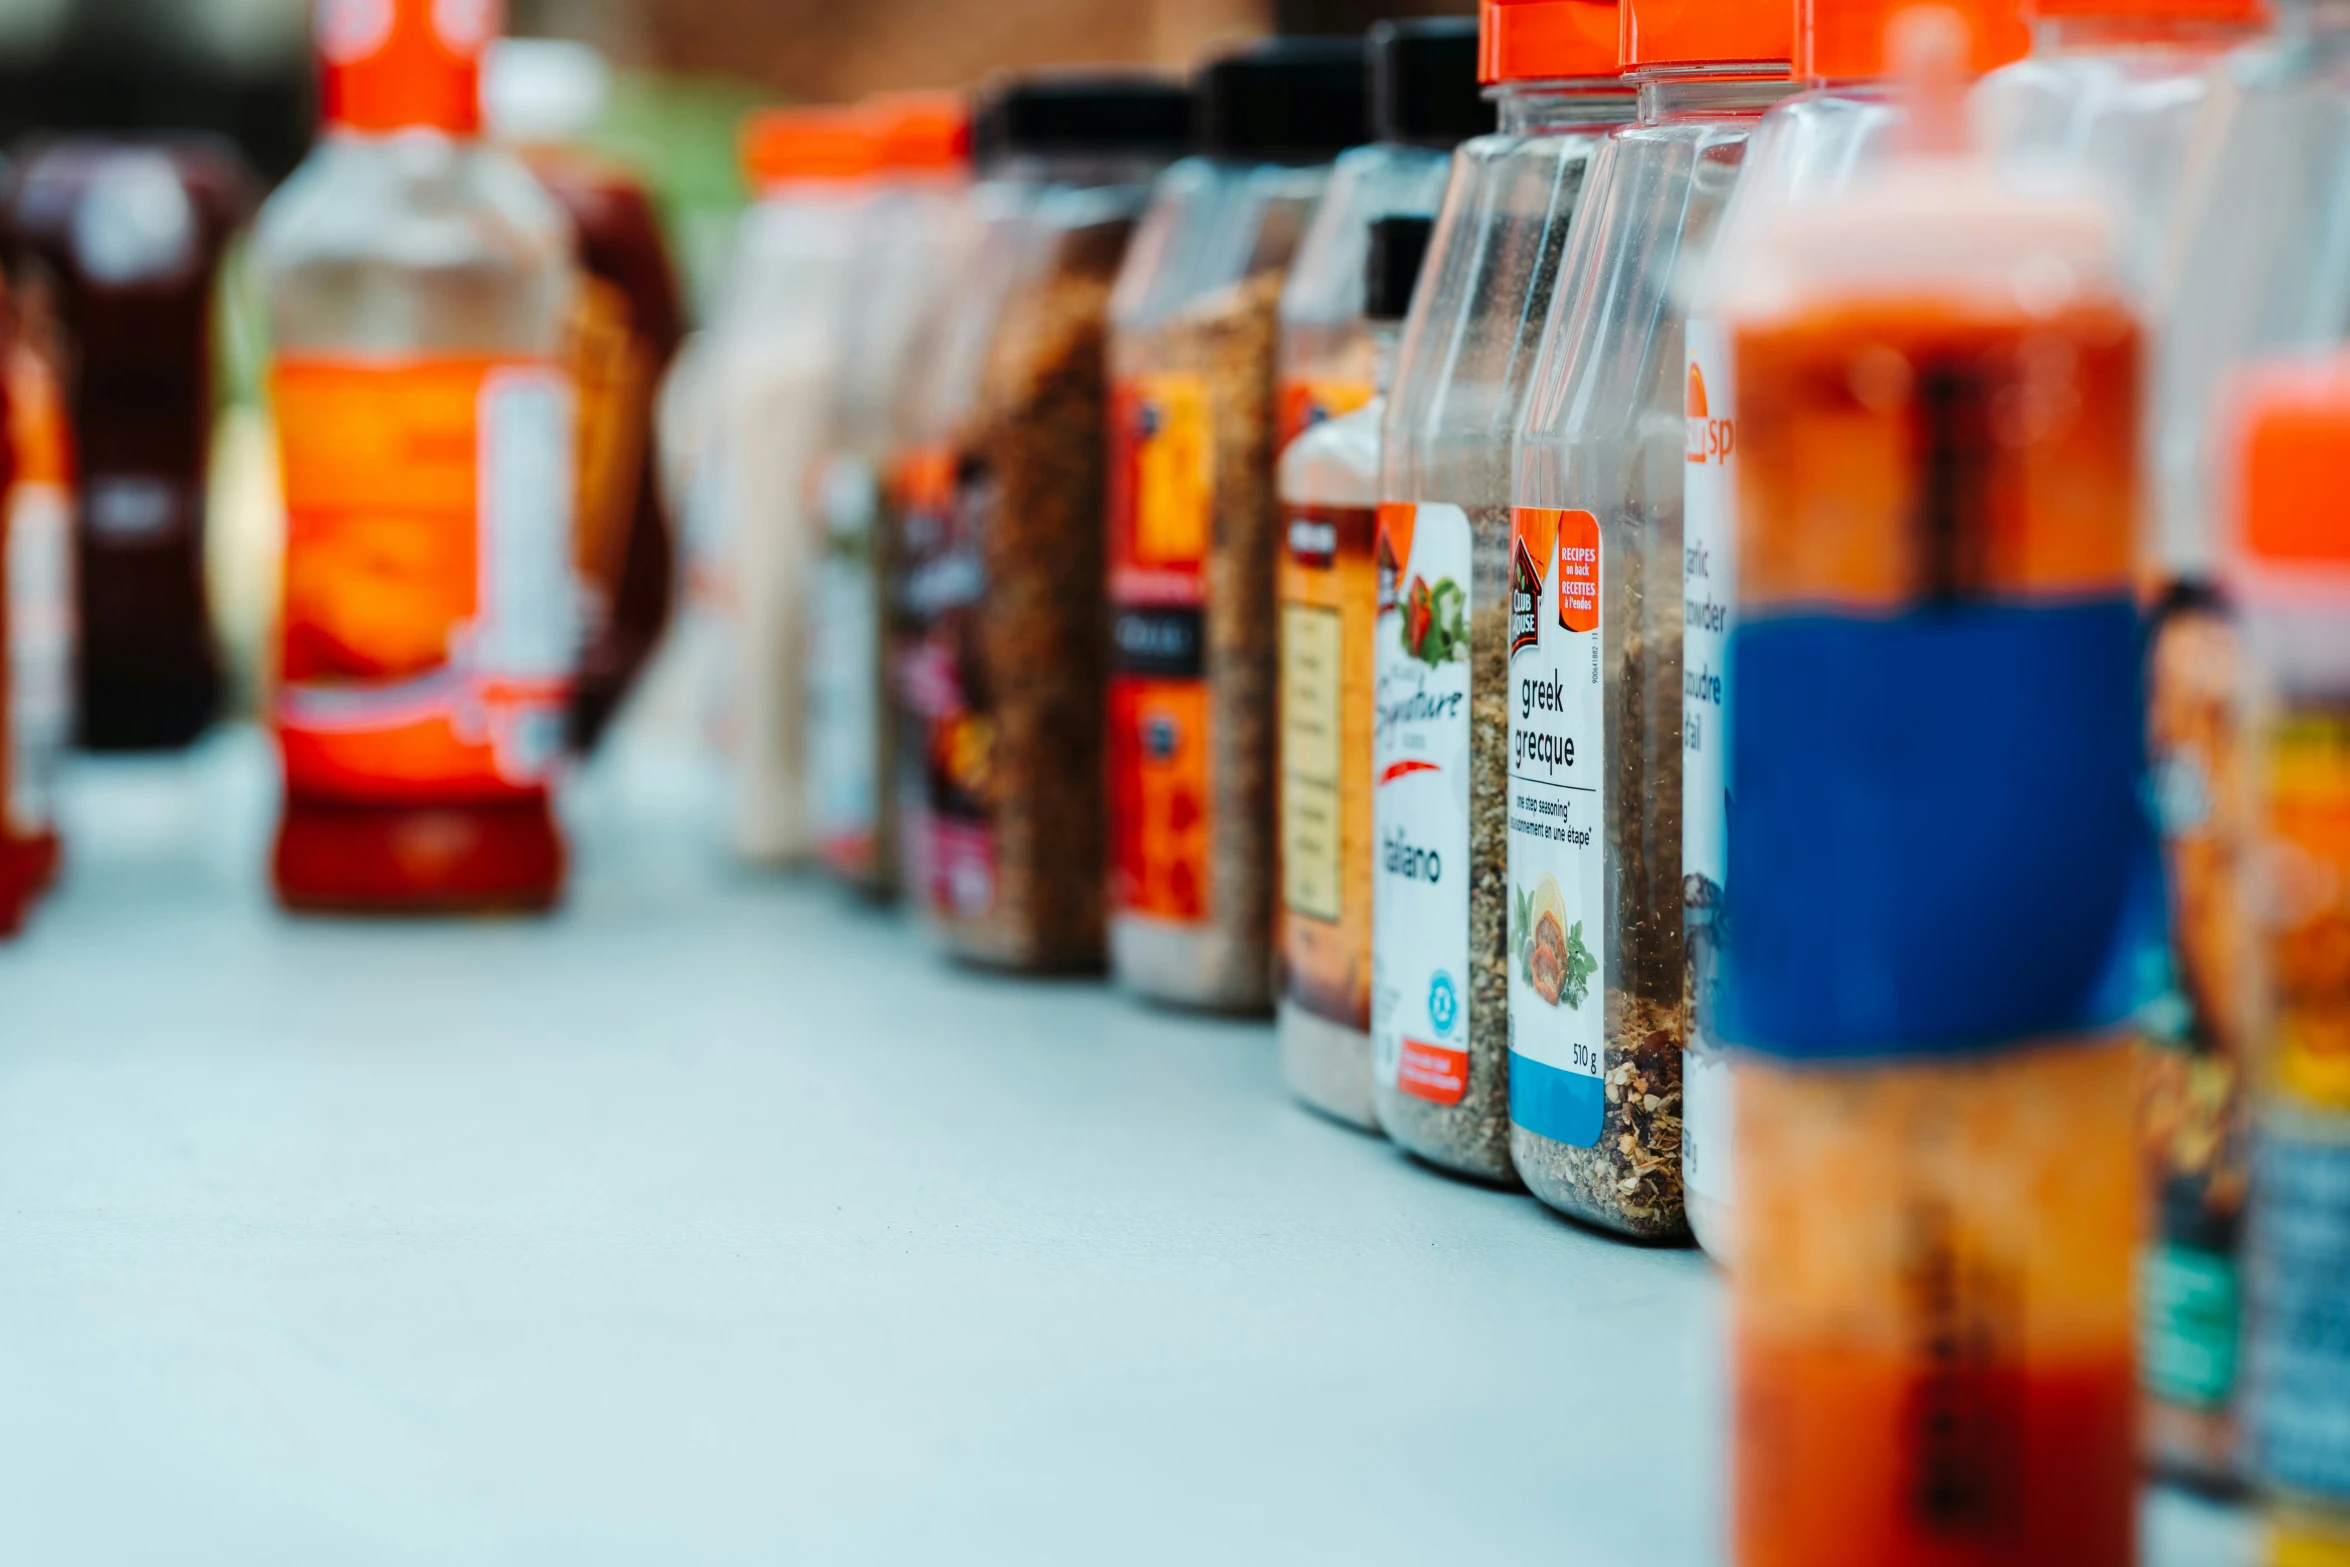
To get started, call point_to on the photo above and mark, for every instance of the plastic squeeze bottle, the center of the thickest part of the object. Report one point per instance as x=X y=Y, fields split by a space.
x=1814 y=144
x=419 y=282
x=1332 y=604
x=2288 y=572
x=1938 y=867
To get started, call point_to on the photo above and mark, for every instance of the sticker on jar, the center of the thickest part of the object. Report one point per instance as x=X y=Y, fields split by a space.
x=1709 y=593
x=2308 y=880
x=1558 y=929
x=1420 y=804
x=2299 y=1277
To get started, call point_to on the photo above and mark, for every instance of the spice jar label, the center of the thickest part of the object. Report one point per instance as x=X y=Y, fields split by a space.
x=950 y=826
x=844 y=668
x=1304 y=403
x=1709 y=588
x=1327 y=609
x=40 y=648
x=2308 y=876
x=1162 y=486
x=2299 y=1278
x=432 y=609
x=1420 y=803
x=1558 y=930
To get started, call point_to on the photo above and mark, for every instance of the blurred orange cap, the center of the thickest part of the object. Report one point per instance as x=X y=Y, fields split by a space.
x=922 y=131
x=826 y=142
x=2292 y=447
x=2245 y=11
x=393 y=65
x=1542 y=40
x=1840 y=39
x=1704 y=32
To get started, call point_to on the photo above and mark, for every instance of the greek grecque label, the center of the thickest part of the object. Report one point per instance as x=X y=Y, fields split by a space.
x=1420 y=804
x=1557 y=842
x=1709 y=587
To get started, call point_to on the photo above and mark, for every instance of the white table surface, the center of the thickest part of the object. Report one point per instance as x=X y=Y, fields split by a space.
x=714 y=1220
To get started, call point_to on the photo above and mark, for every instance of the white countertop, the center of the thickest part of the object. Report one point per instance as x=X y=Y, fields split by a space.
x=715 y=1220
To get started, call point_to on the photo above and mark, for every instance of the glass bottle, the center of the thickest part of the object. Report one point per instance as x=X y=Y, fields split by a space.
x=1493 y=275
x=1936 y=774
x=1814 y=144
x=2287 y=566
x=999 y=611
x=1424 y=100
x=1595 y=933
x=1332 y=607
x=419 y=283
x=1193 y=521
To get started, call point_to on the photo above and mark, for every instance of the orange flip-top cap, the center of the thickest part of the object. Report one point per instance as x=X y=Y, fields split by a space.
x=1837 y=40
x=822 y=143
x=922 y=132
x=1704 y=32
x=2250 y=13
x=2292 y=448
x=1545 y=40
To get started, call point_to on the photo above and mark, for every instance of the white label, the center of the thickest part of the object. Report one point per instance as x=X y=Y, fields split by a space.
x=1557 y=838
x=1709 y=595
x=1420 y=804
x=844 y=686
x=40 y=648
x=532 y=599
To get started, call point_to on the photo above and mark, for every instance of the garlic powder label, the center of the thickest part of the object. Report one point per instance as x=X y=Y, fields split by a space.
x=1709 y=595
x=1557 y=843
x=1420 y=804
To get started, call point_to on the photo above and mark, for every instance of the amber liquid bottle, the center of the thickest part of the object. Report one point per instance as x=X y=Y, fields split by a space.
x=130 y=236
x=420 y=284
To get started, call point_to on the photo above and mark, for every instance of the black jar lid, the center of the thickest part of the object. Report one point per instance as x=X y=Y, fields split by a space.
x=1391 y=267
x=1059 y=113
x=1285 y=100
x=1424 y=87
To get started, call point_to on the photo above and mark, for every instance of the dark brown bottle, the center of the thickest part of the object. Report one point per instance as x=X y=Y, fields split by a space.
x=130 y=234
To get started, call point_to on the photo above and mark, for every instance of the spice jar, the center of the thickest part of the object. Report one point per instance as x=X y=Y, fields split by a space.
x=131 y=234
x=999 y=620
x=1938 y=867
x=1595 y=933
x=419 y=283
x=1336 y=354
x=1492 y=273
x=912 y=236
x=1193 y=522
x=1332 y=604
x=778 y=337
x=2286 y=561
x=1812 y=145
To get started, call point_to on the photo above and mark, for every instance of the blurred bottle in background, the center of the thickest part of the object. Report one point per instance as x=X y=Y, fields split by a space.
x=421 y=283
x=543 y=98
x=41 y=617
x=130 y=235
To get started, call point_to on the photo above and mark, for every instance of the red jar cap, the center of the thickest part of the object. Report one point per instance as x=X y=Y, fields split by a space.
x=922 y=132
x=2292 y=441
x=1843 y=39
x=827 y=143
x=394 y=65
x=1704 y=32
x=1545 y=40
x=2248 y=12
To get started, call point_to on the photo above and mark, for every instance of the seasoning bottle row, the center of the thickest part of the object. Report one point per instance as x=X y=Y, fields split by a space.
x=998 y=612
x=1339 y=326
x=1193 y=522
x=1939 y=865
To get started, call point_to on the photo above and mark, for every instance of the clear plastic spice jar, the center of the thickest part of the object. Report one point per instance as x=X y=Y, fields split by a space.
x=1810 y=146
x=998 y=612
x=1595 y=936
x=2288 y=570
x=1937 y=771
x=1331 y=607
x=1336 y=353
x=911 y=238
x=1193 y=522
x=1492 y=275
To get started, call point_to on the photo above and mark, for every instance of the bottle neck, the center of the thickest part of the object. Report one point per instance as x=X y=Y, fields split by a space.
x=1671 y=92
x=1573 y=103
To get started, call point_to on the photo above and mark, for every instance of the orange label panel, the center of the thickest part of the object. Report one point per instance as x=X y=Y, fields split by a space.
x=1159 y=797
x=1305 y=402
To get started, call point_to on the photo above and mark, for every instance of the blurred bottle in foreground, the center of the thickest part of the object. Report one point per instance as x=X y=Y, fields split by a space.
x=543 y=98
x=128 y=237
x=420 y=284
x=1937 y=862
x=2289 y=574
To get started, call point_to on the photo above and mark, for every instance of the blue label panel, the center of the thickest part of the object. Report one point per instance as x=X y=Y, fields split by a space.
x=1936 y=836
x=1566 y=1107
